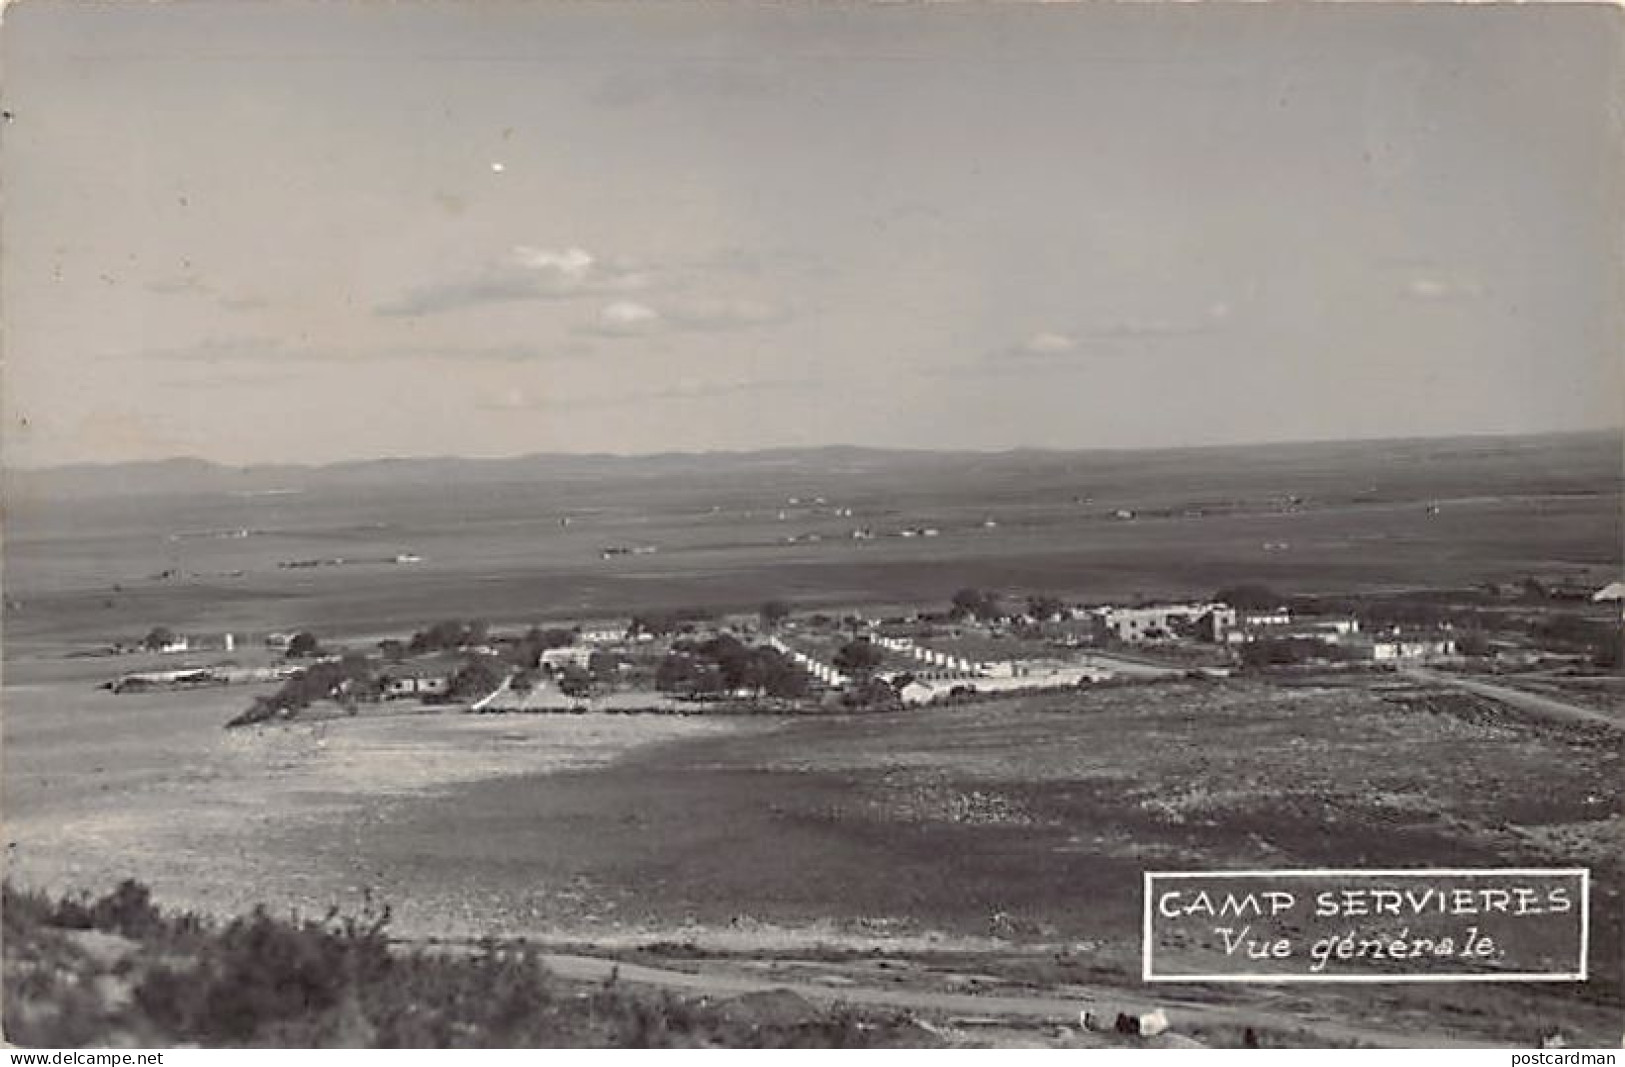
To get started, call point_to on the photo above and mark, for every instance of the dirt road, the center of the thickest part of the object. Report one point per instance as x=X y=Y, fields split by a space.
x=1058 y=1009
x=1533 y=703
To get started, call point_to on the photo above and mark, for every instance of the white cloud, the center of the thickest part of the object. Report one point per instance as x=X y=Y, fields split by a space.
x=1442 y=287
x=625 y=317
x=524 y=272
x=1048 y=343
x=573 y=263
x=628 y=318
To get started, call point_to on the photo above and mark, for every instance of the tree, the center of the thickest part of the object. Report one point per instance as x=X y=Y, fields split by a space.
x=871 y=693
x=773 y=614
x=446 y=634
x=780 y=675
x=1045 y=608
x=304 y=643
x=976 y=604
x=157 y=638
x=682 y=672
x=604 y=666
x=574 y=681
x=859 y=659
x=392 y=650
x=478 y=677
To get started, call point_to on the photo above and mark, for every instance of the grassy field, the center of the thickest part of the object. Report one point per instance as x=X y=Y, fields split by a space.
x=1006 y=838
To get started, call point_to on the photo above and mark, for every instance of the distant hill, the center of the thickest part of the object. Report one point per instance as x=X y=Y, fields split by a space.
x=1549 y=453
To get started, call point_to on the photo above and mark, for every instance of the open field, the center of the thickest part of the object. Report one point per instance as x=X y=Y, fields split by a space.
x=98 y=787
x=1004 y=840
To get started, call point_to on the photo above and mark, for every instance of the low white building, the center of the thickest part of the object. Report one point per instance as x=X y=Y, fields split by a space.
x=556 y=659
x=1411 y=649
x=416 y=682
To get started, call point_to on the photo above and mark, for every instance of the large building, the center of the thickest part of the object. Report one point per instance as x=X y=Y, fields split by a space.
x=1162 y=622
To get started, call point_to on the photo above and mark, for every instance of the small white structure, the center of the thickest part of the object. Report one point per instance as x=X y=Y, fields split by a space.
x=556 y=659
x=1413 y=649
x=410 y=682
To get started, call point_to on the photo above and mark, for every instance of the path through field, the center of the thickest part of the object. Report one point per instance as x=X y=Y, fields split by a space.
x=1533 y=703
x=1057 y=1009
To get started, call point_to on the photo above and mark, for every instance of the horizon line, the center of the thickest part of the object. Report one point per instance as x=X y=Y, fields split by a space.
x=314 y=465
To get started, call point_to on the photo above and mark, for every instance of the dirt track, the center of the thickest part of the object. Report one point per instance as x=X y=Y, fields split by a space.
x=1054 y=1010
x=1533 y=703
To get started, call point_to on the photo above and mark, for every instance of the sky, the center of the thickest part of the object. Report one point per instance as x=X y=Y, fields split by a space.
x=285 y=232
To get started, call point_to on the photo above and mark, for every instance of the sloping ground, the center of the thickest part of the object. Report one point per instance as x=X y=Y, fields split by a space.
x=120 y=973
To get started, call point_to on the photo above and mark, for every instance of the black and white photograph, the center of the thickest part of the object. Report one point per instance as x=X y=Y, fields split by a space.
x=722 y=523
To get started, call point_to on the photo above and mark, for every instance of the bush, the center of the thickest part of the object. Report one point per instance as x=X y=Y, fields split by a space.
x=337 y=982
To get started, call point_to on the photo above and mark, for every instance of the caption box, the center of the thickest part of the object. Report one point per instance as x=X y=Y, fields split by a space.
x=1450 y=925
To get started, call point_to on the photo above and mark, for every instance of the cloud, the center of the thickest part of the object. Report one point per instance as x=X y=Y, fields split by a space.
x=627 y=318
x=572 y=263
x=524 y=272
x=1109 y=336
x=1440 y=287
x=1047 y=344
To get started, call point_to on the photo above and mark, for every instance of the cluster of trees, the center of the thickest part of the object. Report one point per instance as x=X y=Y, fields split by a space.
x=448 y=634
x=724 y=664
x=1599 y=638
x=1045 y=608
x=478 y=676
x=979 y=604
x=157 y=638
x=348 y=680
x=859 y=659
x=303 y=644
